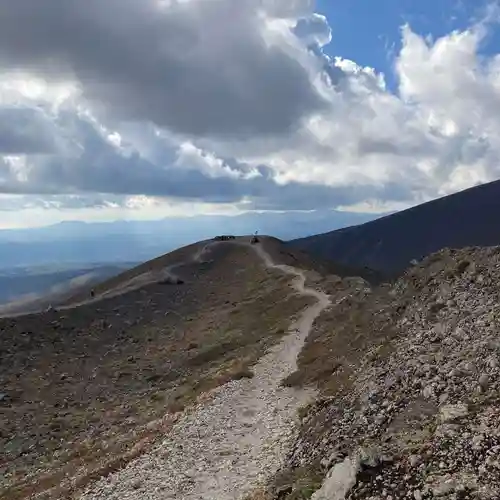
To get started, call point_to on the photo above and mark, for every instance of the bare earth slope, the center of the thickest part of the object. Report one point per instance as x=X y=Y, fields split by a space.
x=410 y=388
x=86 y=389
x=262 y=377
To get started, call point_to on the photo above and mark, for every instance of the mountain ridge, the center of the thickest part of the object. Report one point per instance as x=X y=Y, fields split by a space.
x=119 y=363
x=262 y=368
x=389 y=244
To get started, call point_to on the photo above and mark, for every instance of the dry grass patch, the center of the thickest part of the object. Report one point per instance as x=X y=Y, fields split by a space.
x=342 y=336
x=83 y=383
x=260 y=495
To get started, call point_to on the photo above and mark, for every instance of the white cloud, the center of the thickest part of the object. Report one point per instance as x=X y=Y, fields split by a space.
x=176 y=103
x=190 y=157
x=439 y=135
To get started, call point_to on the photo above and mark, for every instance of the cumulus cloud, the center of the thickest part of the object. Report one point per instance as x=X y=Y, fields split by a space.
x=439 y=134
x=179 y=64
x=25 y=130
x=111 y=99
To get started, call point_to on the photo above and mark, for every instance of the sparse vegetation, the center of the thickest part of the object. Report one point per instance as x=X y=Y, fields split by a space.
x=342 y=335
x=299 y=484
x=244 y=372
x=125 y=362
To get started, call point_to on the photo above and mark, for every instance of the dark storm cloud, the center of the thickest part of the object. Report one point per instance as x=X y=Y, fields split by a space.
x=95 y=170
x=24 y=131
x=198 y=68
x=114 y=176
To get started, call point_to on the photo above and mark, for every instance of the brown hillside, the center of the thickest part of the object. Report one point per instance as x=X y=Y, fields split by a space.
x=84 y=389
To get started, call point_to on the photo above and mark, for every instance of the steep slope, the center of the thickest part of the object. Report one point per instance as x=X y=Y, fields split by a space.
x=410 y=388
x=89 y=387
x=28 y=292
x=387 y=245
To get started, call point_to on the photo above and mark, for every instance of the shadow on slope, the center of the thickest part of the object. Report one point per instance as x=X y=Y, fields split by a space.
x=35 y=292
x=387 y=245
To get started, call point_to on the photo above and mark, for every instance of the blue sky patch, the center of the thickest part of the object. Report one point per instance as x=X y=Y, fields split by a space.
x=368 y=31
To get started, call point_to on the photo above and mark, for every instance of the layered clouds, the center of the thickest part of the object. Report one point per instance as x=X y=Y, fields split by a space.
x=235 y=102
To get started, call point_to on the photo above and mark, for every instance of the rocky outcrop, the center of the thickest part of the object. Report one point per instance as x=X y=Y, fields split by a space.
x=427 y=406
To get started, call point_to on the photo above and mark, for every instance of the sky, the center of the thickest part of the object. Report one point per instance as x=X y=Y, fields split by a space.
x=147 y=108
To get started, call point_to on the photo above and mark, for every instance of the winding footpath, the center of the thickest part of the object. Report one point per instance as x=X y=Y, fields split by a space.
x=136 y=282
x=228 y=445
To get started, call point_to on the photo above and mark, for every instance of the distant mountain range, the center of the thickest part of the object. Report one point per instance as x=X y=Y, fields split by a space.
x=388 y=244
x=40 y=263
x=78 y=244
x=380 y=248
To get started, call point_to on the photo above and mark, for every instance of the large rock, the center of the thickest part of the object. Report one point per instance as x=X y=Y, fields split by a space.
x=449 y=413
x=339 y=481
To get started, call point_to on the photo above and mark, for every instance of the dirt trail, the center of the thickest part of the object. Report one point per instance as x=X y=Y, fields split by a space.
x=140 y=281
x=231 y=443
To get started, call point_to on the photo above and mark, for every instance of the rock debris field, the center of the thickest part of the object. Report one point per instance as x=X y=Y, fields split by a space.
x=236 y=439
x=423 y=421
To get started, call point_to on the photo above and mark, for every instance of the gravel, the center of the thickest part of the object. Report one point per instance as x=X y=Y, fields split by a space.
x=427 y=413
x=236 y=438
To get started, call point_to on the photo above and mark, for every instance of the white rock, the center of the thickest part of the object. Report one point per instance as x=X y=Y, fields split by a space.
x=443 y=486
x=339 y=481
x=483 y=381
x=477 y=441
x=448 y=413
x=493 y=362
x=428 y=392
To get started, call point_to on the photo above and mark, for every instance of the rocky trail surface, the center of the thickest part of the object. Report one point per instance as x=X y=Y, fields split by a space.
x=237 y=438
